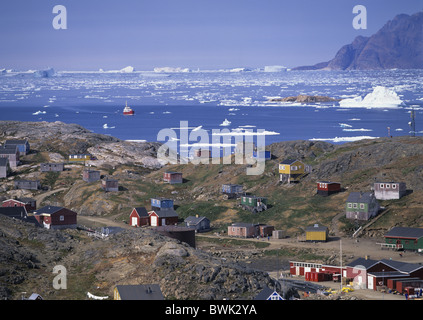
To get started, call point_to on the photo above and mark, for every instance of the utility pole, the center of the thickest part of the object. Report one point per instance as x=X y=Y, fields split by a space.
x=412 y=123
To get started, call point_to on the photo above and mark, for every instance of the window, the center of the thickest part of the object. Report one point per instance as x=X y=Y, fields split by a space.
x=349 y=205
x=355 y=205
x=394 y=186
x=361 y=205
x=381 y=185
x=294 y=168
x=62 y=218
x=387 y=186
x=282 y=167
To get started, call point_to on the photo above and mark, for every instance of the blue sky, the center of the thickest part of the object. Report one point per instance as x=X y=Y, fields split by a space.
x=201 y=34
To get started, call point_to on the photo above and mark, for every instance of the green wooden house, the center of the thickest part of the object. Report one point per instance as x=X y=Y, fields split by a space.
x=361 y=206
x=405 y=238
x=253 y=203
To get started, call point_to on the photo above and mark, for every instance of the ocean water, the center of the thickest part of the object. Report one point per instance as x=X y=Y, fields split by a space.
x=206 y=99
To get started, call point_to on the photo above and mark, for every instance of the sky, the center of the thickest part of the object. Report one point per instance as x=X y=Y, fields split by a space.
x=204 y=34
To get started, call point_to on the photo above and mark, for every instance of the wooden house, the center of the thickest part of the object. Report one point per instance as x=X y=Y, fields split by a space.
x=139 y=217
x=161 y=203
x=79 y=157
x=232 y=190
x=22 y=145
x=5 y=169
x=291 y=170
x=200 y=224
x=110 y=184
x=12 y=153
x=28 y=184
x=405 y=238
x=326 y=188
x=163 y=217
x=138 y=292
x=253 y=203
x=29 y=203
x=243 y=230
x=52 y=217
x=172 y=177
x=361 y=206
x=265 y=230
x=55 y=167
x=317 y=233
x=18 y=213
x=389 y=190
x=91 y=175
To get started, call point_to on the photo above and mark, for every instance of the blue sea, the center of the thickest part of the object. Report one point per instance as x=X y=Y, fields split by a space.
x=95 y=100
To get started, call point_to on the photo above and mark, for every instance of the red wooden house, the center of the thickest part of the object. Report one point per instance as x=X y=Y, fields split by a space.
x=163 y=217
x=172 y=177
x=29 y=203
x=139 y=217
x=52 y=217
x=326 y=188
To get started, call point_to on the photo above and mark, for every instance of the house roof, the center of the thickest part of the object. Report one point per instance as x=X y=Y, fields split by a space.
x=193 y=220
x=404 y=232
x=21 y=200
x=266 y=293
x=140 y=292
x=328 y=182
x=316 y=227
x=8 y=150
x=362 y=262
x=47 y=210
x=243 y=224
x=164 y=213
x=15 y=142
x=141 y=211
x=361 y=197
x=13 y=212
x=402 y=266
x=288 y=161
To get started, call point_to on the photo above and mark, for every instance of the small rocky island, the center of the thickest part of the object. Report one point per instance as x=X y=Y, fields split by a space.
x=304 y=99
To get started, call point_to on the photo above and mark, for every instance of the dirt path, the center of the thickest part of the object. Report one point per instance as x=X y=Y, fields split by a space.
x=41 y=197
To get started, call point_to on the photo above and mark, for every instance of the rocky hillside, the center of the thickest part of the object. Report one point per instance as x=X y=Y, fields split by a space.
x=398 y=44
x=140 y=256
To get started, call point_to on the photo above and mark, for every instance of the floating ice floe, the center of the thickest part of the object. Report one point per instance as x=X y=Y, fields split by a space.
x=105 y=126
x=242 y=132
x=344 y=139
x=39 y=112
x=345 y=125
x=47 y=73
x=361 y=129
x=381 y=97
x=225 y=123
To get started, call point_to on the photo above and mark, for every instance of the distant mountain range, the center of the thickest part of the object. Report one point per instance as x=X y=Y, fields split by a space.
x=398 y=44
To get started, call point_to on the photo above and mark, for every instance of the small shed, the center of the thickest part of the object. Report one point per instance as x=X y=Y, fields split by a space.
x=183 y=234
x=110 y=184
x=317 y=233
x=278 y=234
x=29 y=203
x=161 y=203
x=52 y=217
x=5 y=169
x=405 y=238
x=22 y=145
x=200 y=224
x=55 y=167
x=172 y=177
x=326 y=188
x=28 y=184
x=163 y=217
x=139 y=217
x=138 y=292
x=389 y=190
x=265 y=230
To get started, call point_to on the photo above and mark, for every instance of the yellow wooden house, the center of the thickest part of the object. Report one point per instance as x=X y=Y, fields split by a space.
x=291 y=170
x=317 y=233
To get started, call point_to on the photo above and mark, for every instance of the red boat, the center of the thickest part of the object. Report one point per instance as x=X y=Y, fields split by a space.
x=128 y=111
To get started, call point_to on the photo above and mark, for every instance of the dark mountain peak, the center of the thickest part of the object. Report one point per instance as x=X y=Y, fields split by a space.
x=398 y=44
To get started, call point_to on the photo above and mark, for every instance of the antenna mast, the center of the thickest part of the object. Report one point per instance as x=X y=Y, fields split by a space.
x=412 y=123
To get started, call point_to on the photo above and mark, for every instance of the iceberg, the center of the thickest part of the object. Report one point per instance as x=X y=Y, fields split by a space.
x=171 y=69
x=344 y=139
x=225 y=123
x=105 y=126
x=275 y=69
x=47 y=73
x=39 y=112
x=127 y=69
x=381 y=97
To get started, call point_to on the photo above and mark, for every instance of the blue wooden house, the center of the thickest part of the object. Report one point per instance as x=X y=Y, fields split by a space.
x=161 y=203
x=23 y=145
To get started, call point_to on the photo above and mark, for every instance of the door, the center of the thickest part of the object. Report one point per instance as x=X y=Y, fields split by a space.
x=134 y=221
x=153 y=221
x=370 y=282
x=163 y=221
